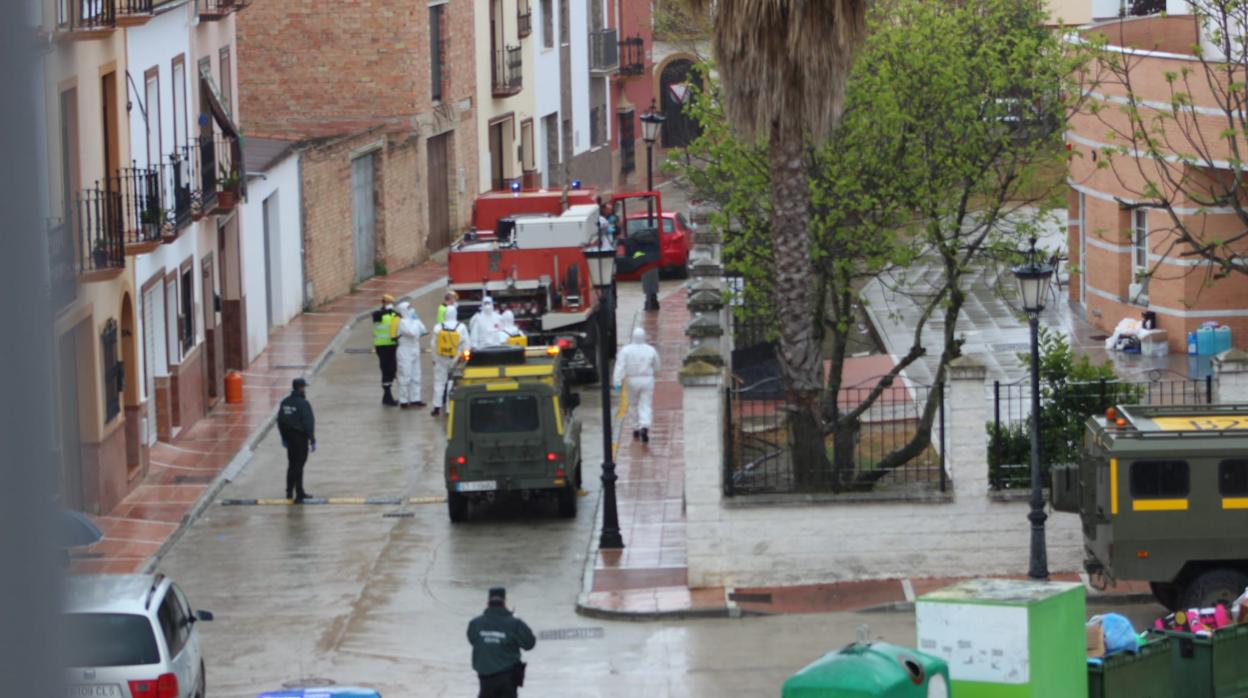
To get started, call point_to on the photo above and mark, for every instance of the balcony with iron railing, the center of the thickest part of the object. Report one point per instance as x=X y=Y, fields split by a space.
x=524 y=18
x=142 y=213
x=219 y=178
x=632 y=56
x=99 y=240
x=508 y=66
x=604 y=52
x=213 y=10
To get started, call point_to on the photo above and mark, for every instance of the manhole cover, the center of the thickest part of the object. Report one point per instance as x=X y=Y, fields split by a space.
x=192 y=479
x=357 y=350
x=572 y=634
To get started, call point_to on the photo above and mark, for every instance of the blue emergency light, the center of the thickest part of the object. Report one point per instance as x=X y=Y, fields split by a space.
x=576 y=184
x=515 y=188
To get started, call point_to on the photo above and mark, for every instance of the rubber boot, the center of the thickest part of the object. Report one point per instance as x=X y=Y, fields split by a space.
x=388 y=399
x=645 y=435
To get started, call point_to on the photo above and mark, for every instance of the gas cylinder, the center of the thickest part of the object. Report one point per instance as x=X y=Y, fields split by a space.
x=234 y=388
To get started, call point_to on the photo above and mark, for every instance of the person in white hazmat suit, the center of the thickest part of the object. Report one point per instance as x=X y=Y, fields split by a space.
x=411 y=329
x=483 y=329
x=638 y=363
x=509 y=333
x=450 y=339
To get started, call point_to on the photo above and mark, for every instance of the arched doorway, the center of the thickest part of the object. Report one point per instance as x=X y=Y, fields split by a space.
x=131 y=395
x=679 y=129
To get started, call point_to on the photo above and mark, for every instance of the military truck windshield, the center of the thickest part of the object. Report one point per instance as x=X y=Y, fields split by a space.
x=502 y=414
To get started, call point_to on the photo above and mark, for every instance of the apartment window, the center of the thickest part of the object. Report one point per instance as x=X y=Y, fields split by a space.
x=1139 y=253
x=550 y=131
x=548 y=24
x=528 y=159
x=151 y=109
x=180 y=129
x=628 y=143
x=1233 y=478
x=187 y=310
x=437 y=51
x=227 y=90
x=565 y=23
x=1159 y=479
x=112 y=371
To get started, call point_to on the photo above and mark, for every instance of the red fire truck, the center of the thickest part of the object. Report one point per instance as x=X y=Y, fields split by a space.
x=542 y=255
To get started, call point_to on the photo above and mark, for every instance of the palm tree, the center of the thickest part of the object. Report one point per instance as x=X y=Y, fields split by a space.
x=783 y=68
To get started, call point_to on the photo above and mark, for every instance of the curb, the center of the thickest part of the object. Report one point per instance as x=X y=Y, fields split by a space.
x=243 y=457
x=648 y=616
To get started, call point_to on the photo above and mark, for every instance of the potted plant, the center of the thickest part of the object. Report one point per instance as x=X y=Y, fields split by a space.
x=152 y=218
x=227 y=188
x=99 y=254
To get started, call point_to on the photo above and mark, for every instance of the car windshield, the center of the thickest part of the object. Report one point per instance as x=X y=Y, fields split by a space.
x=636 y=225
x=109 y=639
x=503 y=414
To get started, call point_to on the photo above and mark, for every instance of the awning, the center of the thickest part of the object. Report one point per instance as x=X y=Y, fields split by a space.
x=216 y=105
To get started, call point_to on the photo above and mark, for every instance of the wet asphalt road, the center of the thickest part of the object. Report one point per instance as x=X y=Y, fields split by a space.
x=381 y=595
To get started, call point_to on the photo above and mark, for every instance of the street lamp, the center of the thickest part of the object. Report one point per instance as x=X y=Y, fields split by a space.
x=651 y=126
x=603 y=261
x=1033 y=283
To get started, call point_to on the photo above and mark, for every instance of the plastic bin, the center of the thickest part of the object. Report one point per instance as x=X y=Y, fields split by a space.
x=1222 y=339
x=871 y=669
x=1146 y=674
x=1205 y=342
x=1213 y=666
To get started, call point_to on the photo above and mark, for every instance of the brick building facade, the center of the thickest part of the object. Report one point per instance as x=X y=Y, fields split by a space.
x=381 y=98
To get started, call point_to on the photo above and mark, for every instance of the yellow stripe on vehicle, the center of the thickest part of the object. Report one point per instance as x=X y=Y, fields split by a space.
x=481 y=372
x=1159 y=505
x=558 y=416
x=450 y=418
x=1235 y=502
x=1113 y=486
x=504 y=385
x=535 y=370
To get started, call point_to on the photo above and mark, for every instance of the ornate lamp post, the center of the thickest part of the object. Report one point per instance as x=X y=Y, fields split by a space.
x=651 y=126
x=1033 y=285
x=603 y=262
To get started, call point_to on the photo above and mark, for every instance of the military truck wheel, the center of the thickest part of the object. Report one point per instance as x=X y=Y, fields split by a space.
x=457 y=507
x=1219 y=585
x=567 y=502
x=1167 y=594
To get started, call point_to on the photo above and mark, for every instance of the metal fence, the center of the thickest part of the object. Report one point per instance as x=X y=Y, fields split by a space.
x=758 y=444
x=1063 y=412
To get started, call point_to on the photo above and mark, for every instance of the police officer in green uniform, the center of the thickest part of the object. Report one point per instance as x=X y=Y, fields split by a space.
x=497 y=637
x=297 y=425
x=386 y=344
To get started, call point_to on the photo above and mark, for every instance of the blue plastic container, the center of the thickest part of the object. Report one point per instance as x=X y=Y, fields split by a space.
x=1206 y=342
x=1191 y=344
x=1222 y=339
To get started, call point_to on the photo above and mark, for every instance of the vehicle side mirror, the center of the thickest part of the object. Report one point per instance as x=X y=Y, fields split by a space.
x=203 y=615
x=574 y=401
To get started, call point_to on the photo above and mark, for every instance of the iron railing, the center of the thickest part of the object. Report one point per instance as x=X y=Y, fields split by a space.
x=179 y=181
x=143 y=215
x=632 y=56
x=218 y=8
x=62 y=277
x=604 y=51
x=133 y=8
x=508 y=78
x=1064 y=410
x=114 y=372
x=86 y=15
x=100 y=236
x=759 y=438
x=524 y=18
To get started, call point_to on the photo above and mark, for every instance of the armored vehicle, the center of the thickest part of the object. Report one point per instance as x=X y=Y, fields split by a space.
x=510 y=430
x=1163 y=496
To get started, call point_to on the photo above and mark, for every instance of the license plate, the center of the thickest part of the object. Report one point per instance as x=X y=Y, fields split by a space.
x=99 y=691
x=482 y=486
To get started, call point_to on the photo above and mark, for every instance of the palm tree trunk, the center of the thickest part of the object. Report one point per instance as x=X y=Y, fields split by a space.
x=801 y=360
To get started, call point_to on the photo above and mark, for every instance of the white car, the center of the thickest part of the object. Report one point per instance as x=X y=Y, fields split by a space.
x=131 y=636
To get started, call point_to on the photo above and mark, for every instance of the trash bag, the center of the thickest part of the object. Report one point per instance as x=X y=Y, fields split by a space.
x=1119 y=635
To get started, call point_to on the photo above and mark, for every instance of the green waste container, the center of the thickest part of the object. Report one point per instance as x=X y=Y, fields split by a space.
x=1146 y=674
x=1210 y=666
x=871 y=670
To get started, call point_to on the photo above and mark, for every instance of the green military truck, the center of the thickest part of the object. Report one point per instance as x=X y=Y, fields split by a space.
x=1163 y=496
x=511 y=431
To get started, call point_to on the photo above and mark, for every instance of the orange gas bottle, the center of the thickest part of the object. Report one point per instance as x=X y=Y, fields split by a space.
x=234 y=387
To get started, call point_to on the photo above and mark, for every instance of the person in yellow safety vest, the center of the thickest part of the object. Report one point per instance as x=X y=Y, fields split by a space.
x=411 y=329
x=512 y=335
x=448 y=299
x=386 y=344
x=450 y=340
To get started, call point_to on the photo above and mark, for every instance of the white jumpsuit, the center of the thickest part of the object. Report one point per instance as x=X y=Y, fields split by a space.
x=442 y=364
x=484 y=327
x=411 y=329
x=638 y=363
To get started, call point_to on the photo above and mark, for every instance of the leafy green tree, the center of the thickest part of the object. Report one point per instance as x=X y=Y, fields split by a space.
x=953 y=118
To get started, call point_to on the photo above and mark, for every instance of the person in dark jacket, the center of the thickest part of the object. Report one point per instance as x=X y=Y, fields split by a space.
x=497 y=637
x=297 y=425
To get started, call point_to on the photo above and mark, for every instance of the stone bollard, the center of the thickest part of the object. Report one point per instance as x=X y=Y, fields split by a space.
x=967 y=441
x=1231 y=370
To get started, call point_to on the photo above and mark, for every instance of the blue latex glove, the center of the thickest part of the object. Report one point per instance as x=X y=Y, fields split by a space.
x=312 y=447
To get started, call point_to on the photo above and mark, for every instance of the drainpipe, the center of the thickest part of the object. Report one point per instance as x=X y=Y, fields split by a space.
x=303 y=252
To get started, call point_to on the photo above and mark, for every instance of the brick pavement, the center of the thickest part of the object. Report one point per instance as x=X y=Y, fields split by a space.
x=182 y=472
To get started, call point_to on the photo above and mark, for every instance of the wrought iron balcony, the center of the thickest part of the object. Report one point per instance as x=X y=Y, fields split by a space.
x=144 y=220
x=508 y=68
x=133 y=13
x=213 y=10
x=220 y=180
x=632 y=56
x=178 y=180
x=524 y=18
x=100 y=239
x=604 y=51
x=86 y=19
